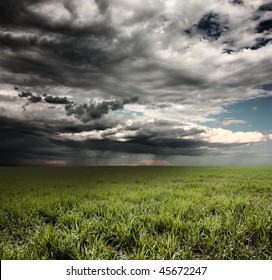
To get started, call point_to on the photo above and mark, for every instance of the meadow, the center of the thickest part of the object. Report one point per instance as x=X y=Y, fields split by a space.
x=136 y=213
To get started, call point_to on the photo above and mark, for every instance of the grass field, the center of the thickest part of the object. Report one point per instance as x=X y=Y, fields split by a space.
x=136 y=213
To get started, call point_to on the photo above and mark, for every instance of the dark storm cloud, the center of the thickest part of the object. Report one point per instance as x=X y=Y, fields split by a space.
x=25 y=94
x=20 y=140
x=33 y=142
x=56 y=100
x=75 y=61
x=31 y=66
x=74 y=49
x=184 y=147
x=11 y=127
x=93 y=110
x=13 y=11
x=66 y=53
x=98 y=125
x=157 y=139
x=35 y=99
x=47 y=98
x=16 y=13
x=103 y=5
x=96 y=109
x=128 y=100
x=84 y=112
x=160 y=138
x=115 y=51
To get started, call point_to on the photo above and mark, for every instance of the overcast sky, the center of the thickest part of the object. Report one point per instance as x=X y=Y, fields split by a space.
x=150 y=82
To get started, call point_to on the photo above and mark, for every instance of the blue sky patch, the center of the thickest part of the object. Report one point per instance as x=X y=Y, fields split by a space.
x=256 y=113
x=128 y=113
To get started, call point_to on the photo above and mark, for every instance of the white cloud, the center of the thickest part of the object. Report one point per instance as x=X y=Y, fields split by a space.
x=223 y=136
x=77 y=13
x=53 y=11
x=233 y=122
x=81 y=136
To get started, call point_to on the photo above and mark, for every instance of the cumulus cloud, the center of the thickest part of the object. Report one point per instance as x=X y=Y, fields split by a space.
x=47 y=98
x=56 y=100
x=25 y=94
x=35 y=99
x=96 y=109
x=223 y=136
x=93 y=110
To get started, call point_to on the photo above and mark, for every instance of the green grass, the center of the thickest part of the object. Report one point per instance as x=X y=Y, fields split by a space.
x=136 y=213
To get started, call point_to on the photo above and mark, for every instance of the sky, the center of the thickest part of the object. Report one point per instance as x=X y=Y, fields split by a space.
x=139 y=82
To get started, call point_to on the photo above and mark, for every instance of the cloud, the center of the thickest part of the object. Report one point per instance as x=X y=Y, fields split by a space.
x=223 y=136
x=65 y=140
x=96 y=109
x=35 y=99
x=233 y=122
x=109 y=50
x=47 y=98
x=171 y=65
x=56 y=100
x=162 y=139
x=24 y=141
x=25 y=94
x=128 y=100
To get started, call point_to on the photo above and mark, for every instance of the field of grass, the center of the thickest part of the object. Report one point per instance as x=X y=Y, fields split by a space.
x=136 y=213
